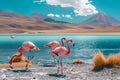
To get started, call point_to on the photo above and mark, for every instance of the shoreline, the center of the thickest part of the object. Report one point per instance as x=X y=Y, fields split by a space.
x=71 y=72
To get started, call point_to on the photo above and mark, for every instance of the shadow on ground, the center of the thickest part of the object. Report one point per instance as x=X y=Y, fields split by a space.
x=19 y=70
x=57 y=75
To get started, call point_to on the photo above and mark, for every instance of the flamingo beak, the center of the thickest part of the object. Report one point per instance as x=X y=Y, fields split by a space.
x=36 y=48
x=46 y=45
x=73 y=44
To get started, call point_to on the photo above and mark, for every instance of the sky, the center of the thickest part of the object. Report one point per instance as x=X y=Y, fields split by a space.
x=74 y=11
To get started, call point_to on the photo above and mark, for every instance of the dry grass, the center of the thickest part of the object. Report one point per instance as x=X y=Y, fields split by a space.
x=17 y=62
x=113 y=61
x=99 y=61
x=76 y=61
x=20 y=59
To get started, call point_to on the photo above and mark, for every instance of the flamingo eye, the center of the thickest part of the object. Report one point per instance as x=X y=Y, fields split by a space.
x=32 y=47
x=53 y=44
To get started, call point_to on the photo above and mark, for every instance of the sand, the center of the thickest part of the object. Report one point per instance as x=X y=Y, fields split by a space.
x=71 y=72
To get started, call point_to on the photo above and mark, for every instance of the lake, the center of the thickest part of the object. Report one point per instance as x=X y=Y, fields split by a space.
x=86 y=45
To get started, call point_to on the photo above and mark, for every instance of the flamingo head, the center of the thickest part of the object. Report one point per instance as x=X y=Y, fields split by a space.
x=52 y=44
x=71 y=42
x=63 y=38
x=28 y=46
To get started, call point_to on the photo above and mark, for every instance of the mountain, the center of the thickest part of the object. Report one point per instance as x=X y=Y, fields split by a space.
x=11 y=22
x=102 y=19
x=39 y=16
x=42 y=17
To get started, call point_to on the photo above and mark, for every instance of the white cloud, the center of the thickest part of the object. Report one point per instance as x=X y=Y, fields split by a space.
x=68 y=16
x=81 y=7
x=59 y=16
x=51 y=15
x=63 y=15
x=54 y=15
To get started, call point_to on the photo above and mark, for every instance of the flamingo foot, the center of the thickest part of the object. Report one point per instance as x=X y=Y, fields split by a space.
x=11 y=66
x=27 y=69
x=61 y=73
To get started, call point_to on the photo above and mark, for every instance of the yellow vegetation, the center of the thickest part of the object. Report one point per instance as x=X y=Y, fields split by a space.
x=20 y=59
x=19 y=64
x=76 y=61
x=99 y=61
x=113 y=61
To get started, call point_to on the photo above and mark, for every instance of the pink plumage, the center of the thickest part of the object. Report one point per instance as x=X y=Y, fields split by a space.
x=27 y=46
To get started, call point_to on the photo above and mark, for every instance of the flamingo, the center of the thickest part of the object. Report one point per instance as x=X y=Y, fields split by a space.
x=60 y=52
x=26 y=46
x=55 y=44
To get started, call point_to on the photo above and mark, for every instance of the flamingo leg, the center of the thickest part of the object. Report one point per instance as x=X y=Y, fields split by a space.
x=61 y=65
x=53 y=58
x=27 y=65
x=11 y=60
x=58 y=66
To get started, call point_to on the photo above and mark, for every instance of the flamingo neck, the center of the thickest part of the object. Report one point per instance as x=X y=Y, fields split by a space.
x=62 y=42
x=68 y=51
x=20 y=51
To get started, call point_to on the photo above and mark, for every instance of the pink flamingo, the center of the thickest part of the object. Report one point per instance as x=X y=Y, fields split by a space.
x=55 y=44
x=62 y=51
x=27 y=46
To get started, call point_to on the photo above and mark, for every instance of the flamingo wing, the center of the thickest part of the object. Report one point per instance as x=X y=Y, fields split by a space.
x=60 y=51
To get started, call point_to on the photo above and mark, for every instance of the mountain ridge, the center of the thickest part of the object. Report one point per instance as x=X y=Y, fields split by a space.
x=101 y=19
x=45 y=18
x=11 y=22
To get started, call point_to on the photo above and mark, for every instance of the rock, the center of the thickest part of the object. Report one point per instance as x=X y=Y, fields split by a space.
x=3 y=70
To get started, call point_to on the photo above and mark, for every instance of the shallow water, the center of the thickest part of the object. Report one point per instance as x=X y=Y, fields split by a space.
x=85 y=48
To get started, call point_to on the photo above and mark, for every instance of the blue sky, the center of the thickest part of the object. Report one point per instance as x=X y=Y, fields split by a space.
x=65 y=10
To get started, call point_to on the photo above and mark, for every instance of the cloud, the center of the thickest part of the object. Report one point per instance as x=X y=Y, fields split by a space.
x=51 y=15
x=54 y=15
x=68 y=16
x=59 y=16
x=81 y=7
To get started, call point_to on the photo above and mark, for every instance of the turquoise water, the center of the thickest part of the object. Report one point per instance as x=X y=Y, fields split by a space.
x=85 y=48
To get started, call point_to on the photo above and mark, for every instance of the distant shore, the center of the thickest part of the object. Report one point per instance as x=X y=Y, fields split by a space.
x=76 y=30
x=66 y=33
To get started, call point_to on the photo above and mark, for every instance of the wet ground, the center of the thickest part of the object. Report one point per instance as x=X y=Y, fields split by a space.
x=71 y=72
